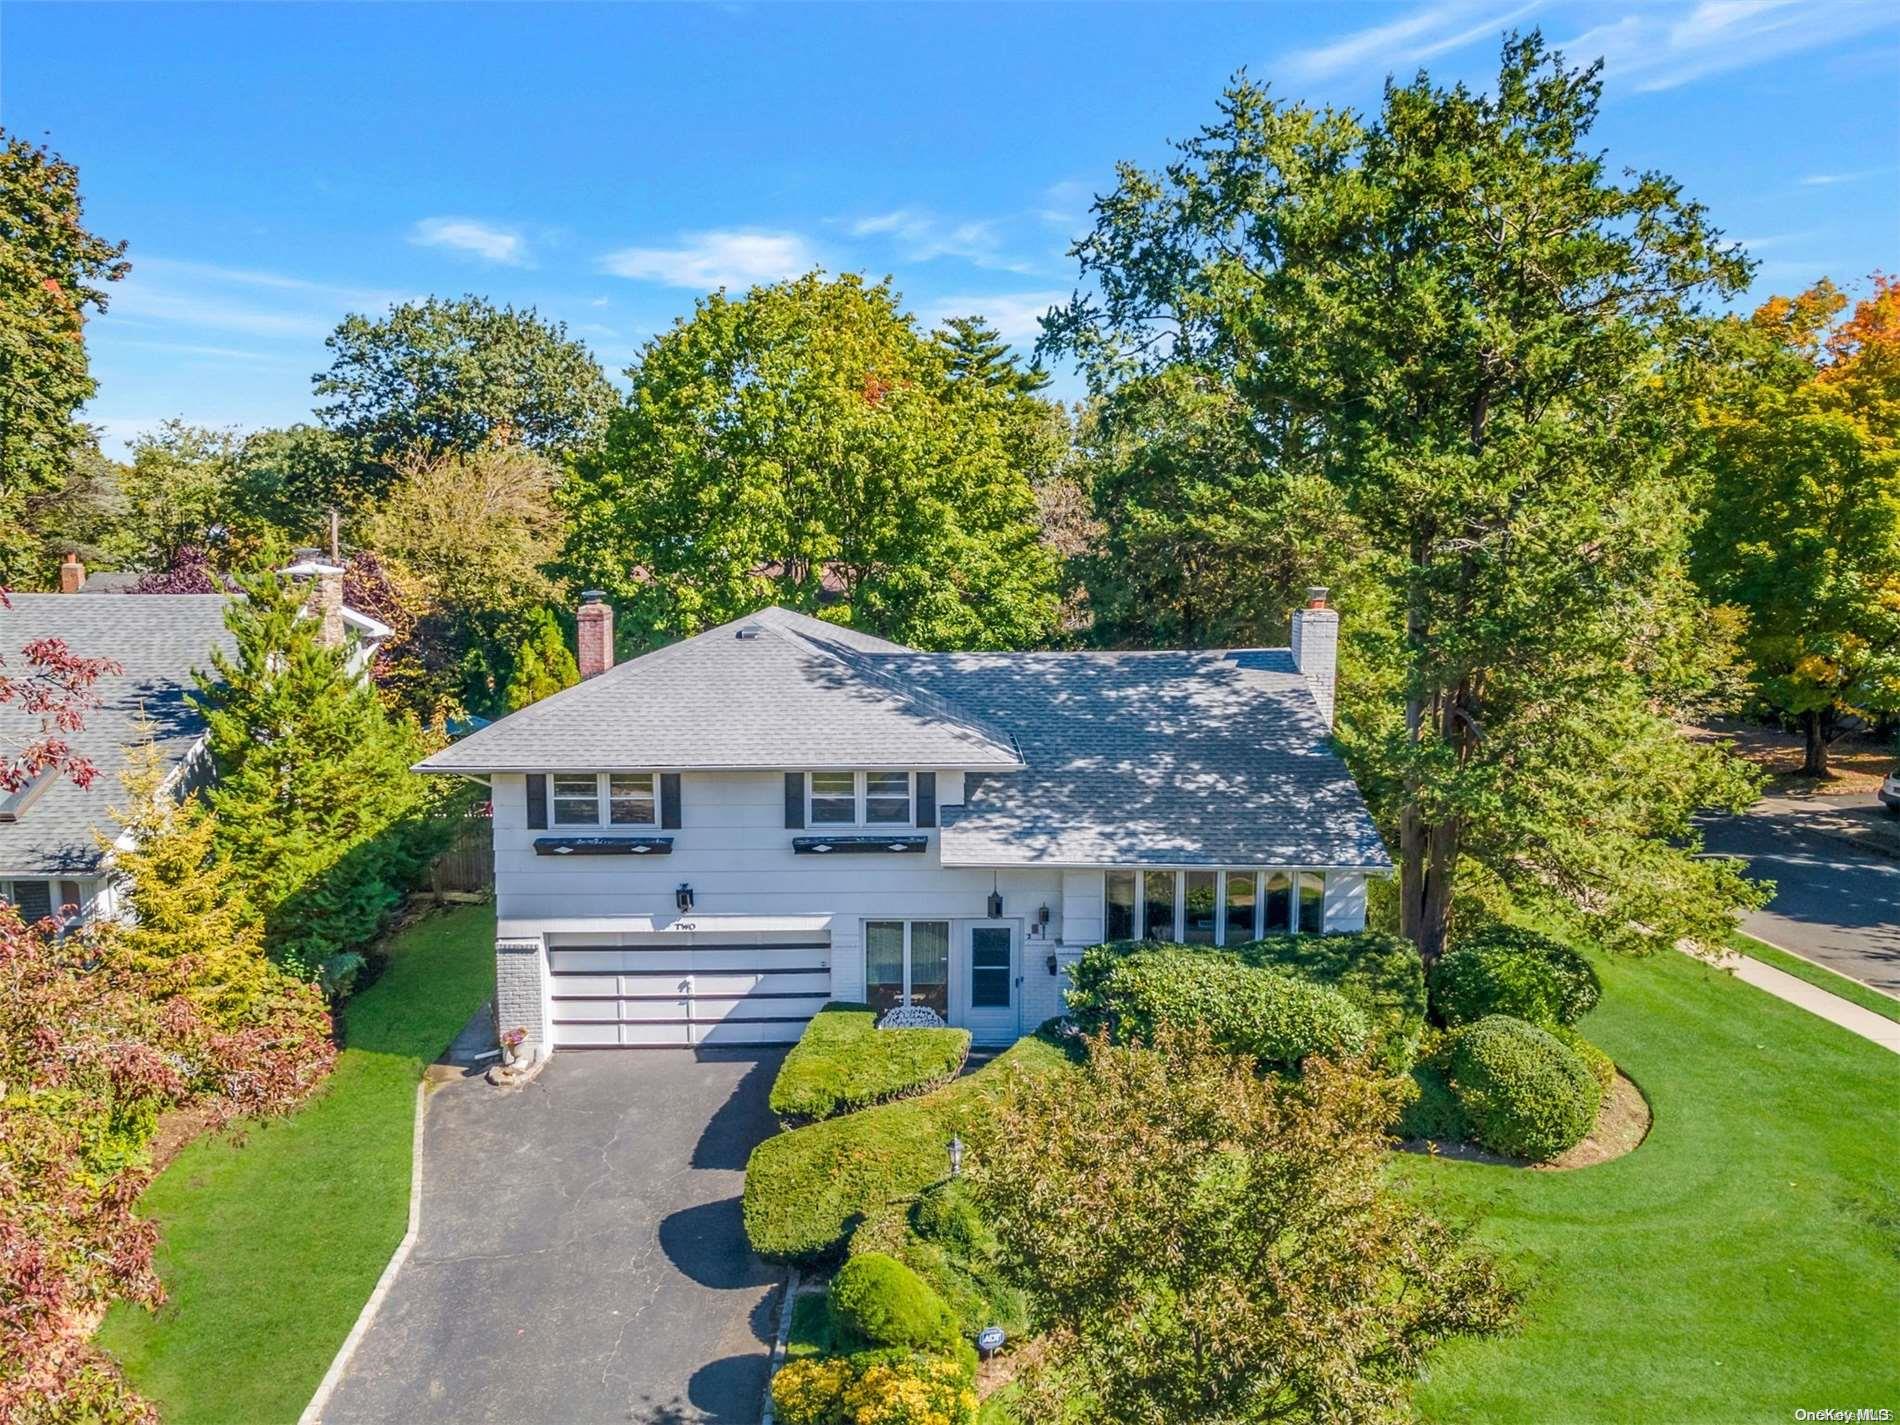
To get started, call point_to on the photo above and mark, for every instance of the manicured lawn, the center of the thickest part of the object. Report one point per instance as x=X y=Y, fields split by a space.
x=843 y=1061
x=1851 y=990
x=274 y=1237
x=1743 y=1263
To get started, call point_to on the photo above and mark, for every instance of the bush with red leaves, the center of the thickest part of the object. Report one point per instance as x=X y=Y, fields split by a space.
x=92 y=1050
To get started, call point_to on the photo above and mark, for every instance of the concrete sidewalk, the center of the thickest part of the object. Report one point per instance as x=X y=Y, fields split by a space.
x=1834 y=1009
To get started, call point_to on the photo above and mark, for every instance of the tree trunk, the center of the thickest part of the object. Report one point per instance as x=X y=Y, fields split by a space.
x=1814 y=732
x=1427 y=855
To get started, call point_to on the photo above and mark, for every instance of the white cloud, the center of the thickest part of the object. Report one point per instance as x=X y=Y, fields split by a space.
x=1015 y=315
x=721 y=258
x=1829 y=180
x=1428 y=31
x=923 y=236
x=203 y=297
x=502 y=246
x=1065 y=205
x=1664 y=47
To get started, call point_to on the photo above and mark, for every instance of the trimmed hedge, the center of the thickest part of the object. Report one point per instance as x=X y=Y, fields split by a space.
x=943 y=1237
x=1505 y=969
x=1523 y=1092
x=883 y=1301
x=843 y=1062
x=1380 y=975
x=806 y=1190
x=1266 y=1013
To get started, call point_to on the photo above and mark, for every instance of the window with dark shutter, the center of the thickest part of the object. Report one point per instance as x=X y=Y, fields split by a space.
x=537 y=800
x=33 y=899
x=926 y=798
x=794 y=801
x=670 y=800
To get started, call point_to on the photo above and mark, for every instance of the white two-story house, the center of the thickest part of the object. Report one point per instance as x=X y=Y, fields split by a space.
x=706 y=844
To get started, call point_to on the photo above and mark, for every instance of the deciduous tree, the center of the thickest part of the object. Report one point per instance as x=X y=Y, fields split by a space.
x=1801 y=446
x=1469 y=317
x=807 y=432
x=456 y=374
x=52 y=270
x=1204 y=1244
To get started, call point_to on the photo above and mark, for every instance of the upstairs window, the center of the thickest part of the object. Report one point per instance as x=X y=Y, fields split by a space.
x=630 y=799
x=576 y=798
x=861 y=799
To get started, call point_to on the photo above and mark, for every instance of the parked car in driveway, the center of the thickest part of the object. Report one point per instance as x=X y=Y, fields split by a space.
x=1890 y=792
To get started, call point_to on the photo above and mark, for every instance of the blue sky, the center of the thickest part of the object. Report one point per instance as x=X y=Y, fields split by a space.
x=276 y=166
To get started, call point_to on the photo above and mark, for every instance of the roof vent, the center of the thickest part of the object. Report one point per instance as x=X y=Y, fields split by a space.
x=750 y=630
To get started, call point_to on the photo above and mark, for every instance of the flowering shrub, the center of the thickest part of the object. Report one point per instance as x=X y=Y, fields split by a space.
x=94 y=1045
x=876 y=1388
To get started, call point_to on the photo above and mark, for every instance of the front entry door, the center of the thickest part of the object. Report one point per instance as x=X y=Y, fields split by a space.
x=988 y=995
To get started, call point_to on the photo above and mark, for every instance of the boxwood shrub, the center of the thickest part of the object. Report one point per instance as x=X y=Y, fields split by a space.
x=1380 y=975
x=1523 y=1092
x=843 y=1062
x=1505 y=969
x=807 y=1190
x=884 y=1302
x=1273 y=1016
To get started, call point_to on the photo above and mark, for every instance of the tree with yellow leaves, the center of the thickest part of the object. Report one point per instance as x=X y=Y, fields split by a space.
x=1801 y=447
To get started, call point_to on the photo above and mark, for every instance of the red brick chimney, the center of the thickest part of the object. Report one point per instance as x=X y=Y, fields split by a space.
x=594 y=635
x=72 y=574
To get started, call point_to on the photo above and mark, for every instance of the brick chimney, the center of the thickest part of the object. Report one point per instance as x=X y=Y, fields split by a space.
x=326 y=594
x=72 y=574
x=1316 y=648
x=594 y=635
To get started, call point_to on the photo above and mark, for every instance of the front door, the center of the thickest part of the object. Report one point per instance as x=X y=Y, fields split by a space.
x=987 y=998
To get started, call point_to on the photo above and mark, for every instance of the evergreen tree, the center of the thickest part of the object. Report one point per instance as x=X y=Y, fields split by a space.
x=1466 y=321
x=543 y=664
x=191 y=929
x=314 y=804
x=977 y=352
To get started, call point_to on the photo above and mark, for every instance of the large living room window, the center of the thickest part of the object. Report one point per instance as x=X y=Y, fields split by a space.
x=1212 y=907
x=860 y=799
x=907 y=962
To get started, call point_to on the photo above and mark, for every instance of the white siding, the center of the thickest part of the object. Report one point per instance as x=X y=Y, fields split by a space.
x=1345 y=901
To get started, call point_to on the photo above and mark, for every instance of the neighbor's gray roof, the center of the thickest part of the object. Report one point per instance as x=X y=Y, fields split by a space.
x=1158 y=759
x=158 y=641
x=111 y=581
x=799 y=693
x=1076 y=758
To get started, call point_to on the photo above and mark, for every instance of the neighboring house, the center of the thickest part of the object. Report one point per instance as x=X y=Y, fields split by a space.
x=706 y=844
x=51 y=859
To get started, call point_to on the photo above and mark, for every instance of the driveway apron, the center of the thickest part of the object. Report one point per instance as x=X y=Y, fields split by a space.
x=581 y=1255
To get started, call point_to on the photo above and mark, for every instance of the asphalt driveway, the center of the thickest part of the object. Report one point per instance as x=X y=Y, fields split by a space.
x=581 y=1256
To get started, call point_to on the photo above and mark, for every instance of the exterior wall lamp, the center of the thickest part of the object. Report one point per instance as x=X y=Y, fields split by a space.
x=683 y=897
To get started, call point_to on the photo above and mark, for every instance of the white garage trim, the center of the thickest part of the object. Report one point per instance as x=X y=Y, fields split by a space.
x=682 y=989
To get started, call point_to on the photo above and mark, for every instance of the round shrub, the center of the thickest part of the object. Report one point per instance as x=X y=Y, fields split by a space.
x=1523 y=1092
x=878 y=1388
x=886 y=1303
x=1273 y=1016
x=946 y=1215
x=1602 y=1067
x=1507 y=970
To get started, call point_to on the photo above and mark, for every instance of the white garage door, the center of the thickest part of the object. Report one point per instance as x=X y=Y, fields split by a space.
x=669 y=991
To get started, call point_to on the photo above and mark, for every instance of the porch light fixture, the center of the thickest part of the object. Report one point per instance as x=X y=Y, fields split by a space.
x=956 y=1156
x=1042 y=918
x=683 y=897
x=1051 y=962
x=996 y=905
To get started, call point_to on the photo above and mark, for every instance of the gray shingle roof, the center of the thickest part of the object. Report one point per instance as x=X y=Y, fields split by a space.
x=1212 y=758
x=159 y=641
x=797 y=693
x=1158 y=759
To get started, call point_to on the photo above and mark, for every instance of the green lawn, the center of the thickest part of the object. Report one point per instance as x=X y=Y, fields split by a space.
x=1743 y=1263
x=1852 y=990
x=273 y=1237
